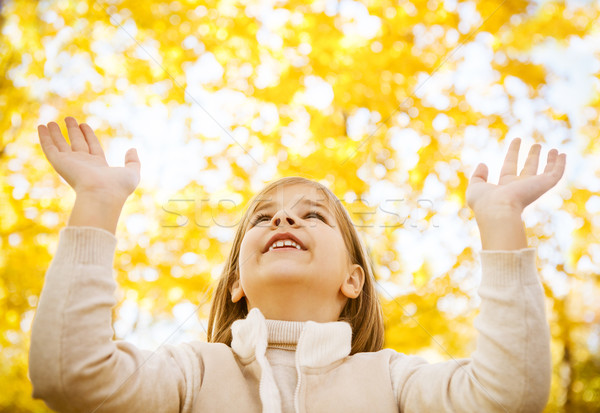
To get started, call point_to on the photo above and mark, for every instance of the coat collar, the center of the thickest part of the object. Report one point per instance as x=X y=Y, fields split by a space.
x=319 y=344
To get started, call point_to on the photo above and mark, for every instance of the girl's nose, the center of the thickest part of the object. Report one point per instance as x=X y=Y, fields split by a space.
x=277 y=219
x=289 y=220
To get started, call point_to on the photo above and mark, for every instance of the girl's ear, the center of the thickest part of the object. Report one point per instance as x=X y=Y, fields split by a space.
x=354 y=282
x=237 y=292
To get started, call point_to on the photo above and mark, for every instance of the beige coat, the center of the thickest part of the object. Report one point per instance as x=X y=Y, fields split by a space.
x=75 y=366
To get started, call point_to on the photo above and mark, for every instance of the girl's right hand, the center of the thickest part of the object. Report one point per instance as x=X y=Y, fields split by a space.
x=83 y=164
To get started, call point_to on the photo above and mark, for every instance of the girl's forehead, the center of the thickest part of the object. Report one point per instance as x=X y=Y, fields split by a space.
x=291 y=195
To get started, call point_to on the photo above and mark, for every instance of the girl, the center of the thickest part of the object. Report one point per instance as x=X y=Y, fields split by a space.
x=295 y=324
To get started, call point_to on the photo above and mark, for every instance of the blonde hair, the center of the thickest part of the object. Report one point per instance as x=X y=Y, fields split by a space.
x=363 y=312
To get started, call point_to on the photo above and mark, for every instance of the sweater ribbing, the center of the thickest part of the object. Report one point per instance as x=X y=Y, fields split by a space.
x=284 y=334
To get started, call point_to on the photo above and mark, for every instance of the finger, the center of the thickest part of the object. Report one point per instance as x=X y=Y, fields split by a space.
x=531 y=164
x=92 y=140
x=132 y=160
x=58 y=138
x=559 y=166
x=48 y=145
x=480 y=174
x=552 y=155
x=78 y=142
x=510 y=161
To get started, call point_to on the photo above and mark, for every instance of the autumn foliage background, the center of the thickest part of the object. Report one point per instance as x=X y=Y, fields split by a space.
x=389 y=103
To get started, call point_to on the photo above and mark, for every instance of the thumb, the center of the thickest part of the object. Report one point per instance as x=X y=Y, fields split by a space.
x=480 y=174
x=132 y=160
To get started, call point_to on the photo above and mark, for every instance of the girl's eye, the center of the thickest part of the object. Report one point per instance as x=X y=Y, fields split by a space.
x=315 y=213
x=260 y=217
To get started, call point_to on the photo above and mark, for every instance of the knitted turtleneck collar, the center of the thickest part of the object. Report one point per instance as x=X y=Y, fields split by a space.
x=284 y=334
x=317 y=345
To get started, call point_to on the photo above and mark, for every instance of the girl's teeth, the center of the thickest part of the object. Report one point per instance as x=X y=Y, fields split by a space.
x=286 y=243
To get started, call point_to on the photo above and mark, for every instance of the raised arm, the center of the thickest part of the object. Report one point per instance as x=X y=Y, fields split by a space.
x=510 y=370
x=74 y=364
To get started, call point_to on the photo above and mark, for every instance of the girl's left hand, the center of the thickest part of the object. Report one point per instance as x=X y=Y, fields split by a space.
x=514 y=191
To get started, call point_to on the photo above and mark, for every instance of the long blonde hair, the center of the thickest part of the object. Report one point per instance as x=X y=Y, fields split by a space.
x=363 y=312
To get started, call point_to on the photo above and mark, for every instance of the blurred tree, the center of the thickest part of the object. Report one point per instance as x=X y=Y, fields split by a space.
x=390 y=105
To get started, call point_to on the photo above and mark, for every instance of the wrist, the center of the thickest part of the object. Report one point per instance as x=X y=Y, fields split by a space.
x=498 y=211
x=504 y=230
x=101 y=197
x=96 y=210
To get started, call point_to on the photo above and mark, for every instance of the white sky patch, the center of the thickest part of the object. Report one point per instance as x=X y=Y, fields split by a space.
x=358 y=124
x=127 y=315
x=21 y=185
x=425 y=36
x=516 y=87
x=273 y=19
x=18 y=73
x=168 y=162
x=469 y=16
x=207 y=120
x=406 y=143
x=148 y=50
x=296 y=57
x=557 y=280
x=390 y=289
x=77 y=68
x=453 y=305
x=137 y=224
x=268 y=72
x=440 y=122
x=572 y=74
x=125 y=35
x=572 y=83
x=450 y=5
x=318 y=93
x=386 y=205
x=356 y=20
x=264 y=173
x=215 y=179
x=205 y=70
x=297 y=133
x=475 y=70
x=221 y=233
x=210 y=113
x=189 y=258
x=475 y=78
x=269 y=39
x=150 y=333
x=267 y=119
x=11 y=29
x=433 y=189
x=432 y=90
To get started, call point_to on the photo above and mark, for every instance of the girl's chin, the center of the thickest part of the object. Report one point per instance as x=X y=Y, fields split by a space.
x=287 y=273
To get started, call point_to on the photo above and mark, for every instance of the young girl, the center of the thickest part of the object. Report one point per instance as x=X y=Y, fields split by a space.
x=295 y=324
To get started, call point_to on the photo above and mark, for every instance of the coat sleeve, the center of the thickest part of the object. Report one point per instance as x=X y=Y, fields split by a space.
x=74 y=364
x=510 y=370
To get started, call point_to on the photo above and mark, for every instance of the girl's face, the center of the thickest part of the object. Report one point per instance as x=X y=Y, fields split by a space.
x=311 y=283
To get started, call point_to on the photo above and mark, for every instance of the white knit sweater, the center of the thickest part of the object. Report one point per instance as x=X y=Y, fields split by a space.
x=76 y=366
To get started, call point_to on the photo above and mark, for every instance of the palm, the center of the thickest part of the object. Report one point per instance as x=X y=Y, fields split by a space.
x=83 y=164
x=515 y=190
